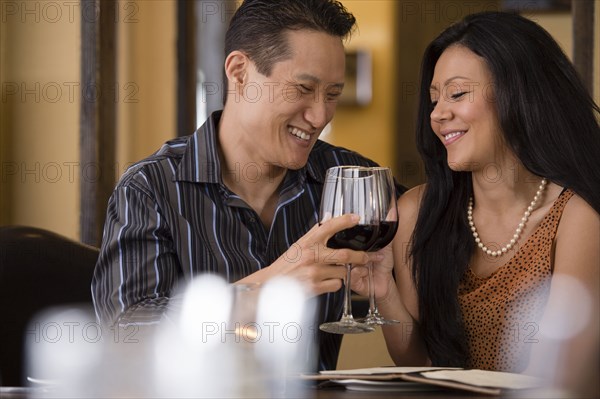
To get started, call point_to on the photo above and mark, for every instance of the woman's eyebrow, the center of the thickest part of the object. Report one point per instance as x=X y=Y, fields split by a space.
x=434 y=87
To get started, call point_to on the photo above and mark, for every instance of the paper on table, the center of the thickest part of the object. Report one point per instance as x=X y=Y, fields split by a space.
x=384 y=370
x=390 y=386
x=484 y=378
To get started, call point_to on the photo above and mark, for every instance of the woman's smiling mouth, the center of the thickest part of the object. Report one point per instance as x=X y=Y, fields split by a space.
x=453 y=136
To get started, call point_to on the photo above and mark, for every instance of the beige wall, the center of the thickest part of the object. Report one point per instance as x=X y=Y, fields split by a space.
x=42 y=93
x=559 y=25
x=39 y=115
x=370 y=129
x=147 y=64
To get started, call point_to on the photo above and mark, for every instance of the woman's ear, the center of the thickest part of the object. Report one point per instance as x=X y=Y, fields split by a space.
x=236 y=65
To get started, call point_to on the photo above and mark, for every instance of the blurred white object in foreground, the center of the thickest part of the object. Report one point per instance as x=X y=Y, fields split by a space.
x=566 y=354
x=190 y=357
x=64 y=351
x=234 y=341
x=285 y=349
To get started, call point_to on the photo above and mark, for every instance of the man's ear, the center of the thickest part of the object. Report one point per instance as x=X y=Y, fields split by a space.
x=236 y=65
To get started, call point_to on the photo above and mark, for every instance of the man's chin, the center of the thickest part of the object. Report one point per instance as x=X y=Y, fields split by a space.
x=294 y=162
x=294 y=165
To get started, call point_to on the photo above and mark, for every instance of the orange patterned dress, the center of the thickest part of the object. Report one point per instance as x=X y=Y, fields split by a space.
x=501 y=312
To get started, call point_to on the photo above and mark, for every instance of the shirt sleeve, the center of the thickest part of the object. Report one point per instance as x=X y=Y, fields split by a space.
x=137 y=269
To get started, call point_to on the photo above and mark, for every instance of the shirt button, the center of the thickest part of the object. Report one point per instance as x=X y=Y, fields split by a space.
x=252 y=220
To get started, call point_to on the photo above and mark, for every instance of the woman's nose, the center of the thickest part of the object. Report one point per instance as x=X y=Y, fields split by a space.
x=440 y=112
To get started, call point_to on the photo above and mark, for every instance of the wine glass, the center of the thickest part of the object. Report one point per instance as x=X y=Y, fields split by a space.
x=385 y=195
x=350 y=190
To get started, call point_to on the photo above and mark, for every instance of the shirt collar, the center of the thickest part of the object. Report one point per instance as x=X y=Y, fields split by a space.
x=200 y=161
x=311 y=170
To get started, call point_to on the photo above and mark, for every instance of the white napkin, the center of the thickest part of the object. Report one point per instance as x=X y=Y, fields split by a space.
x=484 y=378
x=382 y=370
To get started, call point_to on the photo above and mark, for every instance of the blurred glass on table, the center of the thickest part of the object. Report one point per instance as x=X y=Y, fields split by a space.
x=224 y=340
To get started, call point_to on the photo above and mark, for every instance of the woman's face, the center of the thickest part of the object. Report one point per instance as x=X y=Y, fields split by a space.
x=464 y=115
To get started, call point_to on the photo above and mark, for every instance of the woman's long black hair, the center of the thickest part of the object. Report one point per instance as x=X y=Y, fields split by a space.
x=548 y=120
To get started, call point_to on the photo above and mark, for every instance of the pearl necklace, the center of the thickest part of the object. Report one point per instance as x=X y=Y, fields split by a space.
x=518 y=231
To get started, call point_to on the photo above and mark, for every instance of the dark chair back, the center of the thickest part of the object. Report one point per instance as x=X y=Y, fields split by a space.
x=38 y=269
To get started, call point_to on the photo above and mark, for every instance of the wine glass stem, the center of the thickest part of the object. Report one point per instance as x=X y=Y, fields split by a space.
x=372 y=305
x=347 y=315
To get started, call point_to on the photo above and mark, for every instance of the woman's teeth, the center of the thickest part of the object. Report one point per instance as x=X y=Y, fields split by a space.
x=299 y=133
x=452 y=135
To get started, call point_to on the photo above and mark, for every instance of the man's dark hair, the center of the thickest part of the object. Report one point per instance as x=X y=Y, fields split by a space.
x=258 y=27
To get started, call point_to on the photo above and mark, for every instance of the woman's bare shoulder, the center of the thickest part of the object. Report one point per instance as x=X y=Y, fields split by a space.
x=577 y=214
x=578 y=239
x=579 y=219
x=411 y=200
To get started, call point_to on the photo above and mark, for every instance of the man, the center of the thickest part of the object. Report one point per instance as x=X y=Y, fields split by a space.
x=240 y=197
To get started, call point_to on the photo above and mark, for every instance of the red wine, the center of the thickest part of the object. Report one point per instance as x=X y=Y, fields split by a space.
x=359 y=238
x=387 y=231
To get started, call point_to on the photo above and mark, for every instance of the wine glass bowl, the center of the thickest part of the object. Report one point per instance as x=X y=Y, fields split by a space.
x=358 y=238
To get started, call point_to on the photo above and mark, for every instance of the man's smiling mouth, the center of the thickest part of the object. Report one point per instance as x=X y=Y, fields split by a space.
x=299 y=133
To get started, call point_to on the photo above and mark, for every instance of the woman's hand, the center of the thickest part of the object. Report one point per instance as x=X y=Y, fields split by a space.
x=383 y=280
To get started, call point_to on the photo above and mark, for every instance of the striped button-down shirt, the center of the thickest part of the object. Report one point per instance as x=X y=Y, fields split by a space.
x=171 y=218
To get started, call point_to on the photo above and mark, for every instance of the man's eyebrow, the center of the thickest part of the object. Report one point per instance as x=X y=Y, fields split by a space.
x=434 y=87
x=314 y=79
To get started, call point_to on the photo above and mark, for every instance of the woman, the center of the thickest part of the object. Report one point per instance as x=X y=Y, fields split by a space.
x=510 y=142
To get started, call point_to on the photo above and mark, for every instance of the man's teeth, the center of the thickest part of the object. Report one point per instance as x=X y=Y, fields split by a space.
x=451 y=135
x=299 y=133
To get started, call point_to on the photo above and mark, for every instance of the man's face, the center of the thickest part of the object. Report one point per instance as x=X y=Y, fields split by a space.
x=282 y=115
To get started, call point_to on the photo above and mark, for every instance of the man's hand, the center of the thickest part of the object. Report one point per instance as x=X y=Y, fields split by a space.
x=319 y=268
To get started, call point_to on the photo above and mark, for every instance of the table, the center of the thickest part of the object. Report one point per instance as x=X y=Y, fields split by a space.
x=318 y=393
